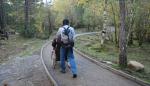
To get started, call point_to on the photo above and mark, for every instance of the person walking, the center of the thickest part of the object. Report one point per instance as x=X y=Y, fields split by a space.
x=67 y=34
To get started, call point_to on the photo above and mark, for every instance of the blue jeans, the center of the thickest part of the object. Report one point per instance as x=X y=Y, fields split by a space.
x=69 y=53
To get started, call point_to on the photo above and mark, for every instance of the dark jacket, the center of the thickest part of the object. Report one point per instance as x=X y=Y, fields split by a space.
x=56 y=43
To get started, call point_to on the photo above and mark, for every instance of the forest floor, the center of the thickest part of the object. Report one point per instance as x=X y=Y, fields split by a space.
x=18 y=46
x=90 y=45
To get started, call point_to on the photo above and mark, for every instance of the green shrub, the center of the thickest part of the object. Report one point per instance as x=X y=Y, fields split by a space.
x=29 y=33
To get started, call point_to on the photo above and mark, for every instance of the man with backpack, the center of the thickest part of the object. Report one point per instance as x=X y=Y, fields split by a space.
x=67 y=34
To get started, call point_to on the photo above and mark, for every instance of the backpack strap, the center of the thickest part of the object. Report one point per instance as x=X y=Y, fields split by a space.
x=67 y=30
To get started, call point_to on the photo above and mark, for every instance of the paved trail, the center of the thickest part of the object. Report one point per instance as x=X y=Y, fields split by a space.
x=89 y=74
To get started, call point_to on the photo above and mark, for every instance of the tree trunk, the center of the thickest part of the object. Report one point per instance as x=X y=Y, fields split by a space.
x=49 y=18
x=26 y=12
x=122 y=36
x=2 y=17
x=104 y=32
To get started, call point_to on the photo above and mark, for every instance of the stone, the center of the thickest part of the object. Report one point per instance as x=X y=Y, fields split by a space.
x=134 y=65
x=107 y=62
x=87 y=44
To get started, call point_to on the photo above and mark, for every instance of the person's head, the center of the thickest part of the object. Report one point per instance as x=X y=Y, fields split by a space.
x=65 y=22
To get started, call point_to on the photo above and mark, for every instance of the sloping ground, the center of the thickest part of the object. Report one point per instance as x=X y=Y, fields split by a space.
x=89 y=74
x=18 y=46
x=26 y=71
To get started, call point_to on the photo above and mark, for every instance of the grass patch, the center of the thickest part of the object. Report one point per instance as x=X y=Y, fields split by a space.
x=18 y=46
x=90 y=45
x=31 y=47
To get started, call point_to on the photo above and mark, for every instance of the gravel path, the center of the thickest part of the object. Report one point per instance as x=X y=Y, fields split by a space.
x=89 y=74
x=27 y=71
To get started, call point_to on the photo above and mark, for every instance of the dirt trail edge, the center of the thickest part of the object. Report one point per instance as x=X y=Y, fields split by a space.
x=89 y=74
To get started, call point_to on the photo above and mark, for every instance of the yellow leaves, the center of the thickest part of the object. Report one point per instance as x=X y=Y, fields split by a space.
x=38 y=25
x=60 y=5
x=40 y=28
x=39 y=20
x=81 y=2
x=63 y=9
x=95 y=8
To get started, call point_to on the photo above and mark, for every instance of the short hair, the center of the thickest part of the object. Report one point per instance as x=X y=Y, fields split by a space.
x=65 y=22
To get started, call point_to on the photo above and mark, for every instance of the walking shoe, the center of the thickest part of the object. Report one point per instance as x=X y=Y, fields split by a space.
x=74 y=75
x=63 y=71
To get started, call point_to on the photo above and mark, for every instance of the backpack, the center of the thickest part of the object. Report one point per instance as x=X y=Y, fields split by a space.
x=67 y=38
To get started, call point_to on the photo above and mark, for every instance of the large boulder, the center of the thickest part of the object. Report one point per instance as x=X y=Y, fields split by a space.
x=134 y=65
